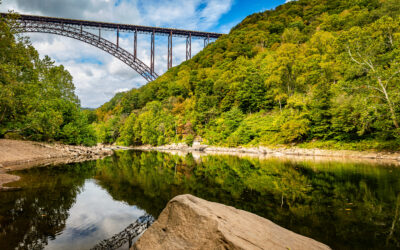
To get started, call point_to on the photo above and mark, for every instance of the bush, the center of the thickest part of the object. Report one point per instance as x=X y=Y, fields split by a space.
x=189 y=139
x=294 y=130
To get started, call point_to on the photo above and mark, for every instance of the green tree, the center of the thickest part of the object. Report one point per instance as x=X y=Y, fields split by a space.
x=37 y=99
x=374 y=51
x=154 y=126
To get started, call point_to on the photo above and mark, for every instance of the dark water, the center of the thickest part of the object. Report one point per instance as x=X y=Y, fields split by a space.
x=345 y=205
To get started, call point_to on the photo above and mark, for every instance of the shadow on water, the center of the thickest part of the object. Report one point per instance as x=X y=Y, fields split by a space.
x=30 y=218
x=345 y=205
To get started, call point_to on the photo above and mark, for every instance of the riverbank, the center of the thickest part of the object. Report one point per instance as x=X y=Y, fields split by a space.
x=381 y=156
x=17 y=155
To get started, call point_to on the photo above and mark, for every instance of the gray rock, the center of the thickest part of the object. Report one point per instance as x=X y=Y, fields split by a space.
x=189 y=222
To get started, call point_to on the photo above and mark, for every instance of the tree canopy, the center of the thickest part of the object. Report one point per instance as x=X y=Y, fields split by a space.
x=319 y=70
x=37 y=99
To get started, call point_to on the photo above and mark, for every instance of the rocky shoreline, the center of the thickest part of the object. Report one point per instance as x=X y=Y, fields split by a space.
x=17 y=155
x=388 y=157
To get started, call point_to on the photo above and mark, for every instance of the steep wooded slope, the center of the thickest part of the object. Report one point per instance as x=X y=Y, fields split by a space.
x=310 y=70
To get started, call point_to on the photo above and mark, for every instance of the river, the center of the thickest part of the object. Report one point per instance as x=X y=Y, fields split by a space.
x=346 y=205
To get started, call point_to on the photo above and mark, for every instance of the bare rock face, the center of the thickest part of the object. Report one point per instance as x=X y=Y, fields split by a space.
x=189 y=222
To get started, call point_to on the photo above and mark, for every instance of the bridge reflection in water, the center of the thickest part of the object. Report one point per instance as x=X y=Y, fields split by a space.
x=128 y=235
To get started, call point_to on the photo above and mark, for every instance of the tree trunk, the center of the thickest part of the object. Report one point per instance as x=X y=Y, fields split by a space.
x=391 y=109
x=3 y=114
x=395 y=219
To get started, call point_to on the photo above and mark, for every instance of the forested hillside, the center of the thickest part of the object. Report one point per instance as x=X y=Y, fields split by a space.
x=37 y=99
x=324 y=73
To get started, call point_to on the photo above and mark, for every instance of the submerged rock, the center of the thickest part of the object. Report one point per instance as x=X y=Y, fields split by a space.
x=6 y=178
x=189 y=222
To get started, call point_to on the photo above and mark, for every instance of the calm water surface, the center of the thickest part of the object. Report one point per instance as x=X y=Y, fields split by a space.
x=345 y=205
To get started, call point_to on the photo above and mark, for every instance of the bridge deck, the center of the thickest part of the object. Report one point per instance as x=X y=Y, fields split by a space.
x=116 y=26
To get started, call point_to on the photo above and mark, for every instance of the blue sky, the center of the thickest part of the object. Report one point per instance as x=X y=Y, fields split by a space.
x=241 y=9
x=97 y=75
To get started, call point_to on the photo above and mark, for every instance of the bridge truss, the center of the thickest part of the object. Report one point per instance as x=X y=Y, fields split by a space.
x=78 y=29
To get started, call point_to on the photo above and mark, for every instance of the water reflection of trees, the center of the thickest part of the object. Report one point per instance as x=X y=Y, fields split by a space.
x=344 y=205
x=341 y=204
x=30 y=217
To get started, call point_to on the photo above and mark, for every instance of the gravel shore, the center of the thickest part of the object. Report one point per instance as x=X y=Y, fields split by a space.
x=291 y=152
x=17 y=155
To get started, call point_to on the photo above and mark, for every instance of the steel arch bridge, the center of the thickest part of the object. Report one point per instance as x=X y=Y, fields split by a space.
x=77 y=29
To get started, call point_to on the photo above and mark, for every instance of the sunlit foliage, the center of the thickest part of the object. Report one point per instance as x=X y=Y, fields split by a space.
x=324 y=70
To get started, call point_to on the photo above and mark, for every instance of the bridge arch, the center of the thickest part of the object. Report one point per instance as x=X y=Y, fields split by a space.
x=73 y=28
x=89 y=38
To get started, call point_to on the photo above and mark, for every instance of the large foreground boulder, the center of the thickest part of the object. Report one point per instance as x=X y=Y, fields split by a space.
x=189 y=222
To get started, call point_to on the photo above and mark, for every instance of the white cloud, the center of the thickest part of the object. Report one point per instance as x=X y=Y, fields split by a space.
x=120 y=90
x=94 y=216
x=98 y=75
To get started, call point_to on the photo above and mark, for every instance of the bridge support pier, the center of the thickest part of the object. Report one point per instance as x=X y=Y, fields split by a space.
x=169 y=50
x=206 y=41
x=135 y=45
x=152 y=52
x=118 y=37
x=189 y=47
